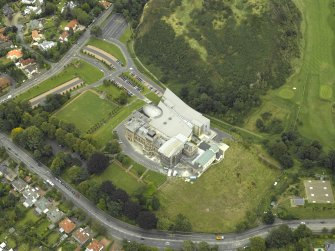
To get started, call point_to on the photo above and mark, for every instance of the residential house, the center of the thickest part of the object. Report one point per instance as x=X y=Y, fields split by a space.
x=42 y=205
x=46 y=45
x=28 y=2
x=35 y=25
x=36 y=36
x=4 y=83
x=72 y=25
x=95 y=245
x=19 y=185
x=55 y=215
x=105 y=4
x=7 y=10
x=8 y=173
x=66 y=226
x=25 y=62
x=31 y=195
x=82 y=235
x=14 y=54
x=32 y=10
x=64 y=37
x=69 y=5
x=30 y=70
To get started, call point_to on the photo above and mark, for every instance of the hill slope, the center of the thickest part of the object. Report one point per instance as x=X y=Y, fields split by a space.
x=220 y=55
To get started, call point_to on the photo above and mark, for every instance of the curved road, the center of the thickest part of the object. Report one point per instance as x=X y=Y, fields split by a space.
x=122 y=230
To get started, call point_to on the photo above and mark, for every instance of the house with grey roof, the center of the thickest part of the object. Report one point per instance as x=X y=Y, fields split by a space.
x=8 y=173
x=7 y=10
x=35 y=25
x=42 y=205
x=329 y=246
x=19 y=185
x=31 y=195
x=55 y=215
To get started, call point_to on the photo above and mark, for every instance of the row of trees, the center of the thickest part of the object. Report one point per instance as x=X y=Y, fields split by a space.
x=292 y=146
x=283 y=237
x=131 y=9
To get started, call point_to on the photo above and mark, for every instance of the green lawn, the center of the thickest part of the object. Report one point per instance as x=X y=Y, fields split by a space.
x=326 y=92
x=105 y=133
x=110 y=90
x=308 y=211
x=42 y=227
x=126 y=36
x=120 y=178
x=137 y=169
x=153 y=97
x=314 y=77
x=108 y=47
x=86 y=110
x=155 y=177
x=53 y=238
x=30 y=217
x=222 y=196
x=78 y=68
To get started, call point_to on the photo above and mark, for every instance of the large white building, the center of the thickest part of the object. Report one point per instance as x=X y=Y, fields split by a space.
x=172 y=131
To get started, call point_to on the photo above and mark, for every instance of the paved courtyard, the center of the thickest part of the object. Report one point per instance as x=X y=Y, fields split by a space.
x=319 y=191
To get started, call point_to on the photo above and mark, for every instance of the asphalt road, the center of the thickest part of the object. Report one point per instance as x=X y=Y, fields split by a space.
x=122 y=230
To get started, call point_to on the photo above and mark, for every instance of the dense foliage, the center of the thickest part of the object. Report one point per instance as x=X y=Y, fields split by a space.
x=243 y=58
x=131 y=9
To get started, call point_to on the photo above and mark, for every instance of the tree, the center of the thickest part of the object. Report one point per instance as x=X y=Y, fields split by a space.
x=34 y=138
x=15 y=132
x=147 y=220
x=77 y=174
x=188 y=246
x=182 y=224
x=96 y=31
x=279 y=237
x=57 y=165
x=268 y=217
x=257 y=244
x=131 y=210
x=113 y=147
x=97 y=163
x=302 y=231
x=203 y=246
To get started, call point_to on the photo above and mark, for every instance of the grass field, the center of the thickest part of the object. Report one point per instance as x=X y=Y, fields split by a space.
x=314 y=78
x=126 y=36
x=85 y=110
x=120 y=178
x=223 y=195
x=79 y=68
x=326 y=92
x=153 y=97
x=108 y=47
x=30 y=217
x=105 y=133
x=156 y=178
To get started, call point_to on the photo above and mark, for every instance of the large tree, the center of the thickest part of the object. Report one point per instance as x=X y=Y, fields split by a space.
x=97 y=163
x=147 y=220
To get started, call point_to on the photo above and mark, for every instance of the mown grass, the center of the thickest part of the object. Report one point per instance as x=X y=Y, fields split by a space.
x=120 y=179
x=126 y=36
x=85 y=71
x=30 y=217
x=109 y=48
x=314 y=78
x=156 y=178
x=222 y=196
x=137 y=169
x=105 y=132
x=85 y=111
x=153 y=97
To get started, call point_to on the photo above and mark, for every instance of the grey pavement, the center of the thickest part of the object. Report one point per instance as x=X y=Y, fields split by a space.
x=114 y=27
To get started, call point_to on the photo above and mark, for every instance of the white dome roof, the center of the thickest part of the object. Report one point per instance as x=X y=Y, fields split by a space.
x=152 y=111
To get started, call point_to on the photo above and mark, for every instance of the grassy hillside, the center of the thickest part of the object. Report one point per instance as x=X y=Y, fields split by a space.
x=220 y=55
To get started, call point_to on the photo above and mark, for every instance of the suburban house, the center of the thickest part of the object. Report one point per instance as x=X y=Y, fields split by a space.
x=69 y=5
x=42 y=205
x=25 y=62
x=32 y=10
x=82 y=235
x=95 y=245
x=7 y=11
x=63 y=37
x=28 y=2
x=105 y=4
x=4 y=83
x=72 y=25
x=30 y=70
x=31 y=195
x=46 y=45
x=14 y=54
x=19 y=185
x=329 y=246
x=66 y=226
x=36 y=36
x=35 y=25
x=8 y=173
x=55 y=215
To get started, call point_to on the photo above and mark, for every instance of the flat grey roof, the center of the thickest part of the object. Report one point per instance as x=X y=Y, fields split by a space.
x=100 y=54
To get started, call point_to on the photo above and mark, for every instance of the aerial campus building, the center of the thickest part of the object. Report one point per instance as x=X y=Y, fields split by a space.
x=175 y=135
